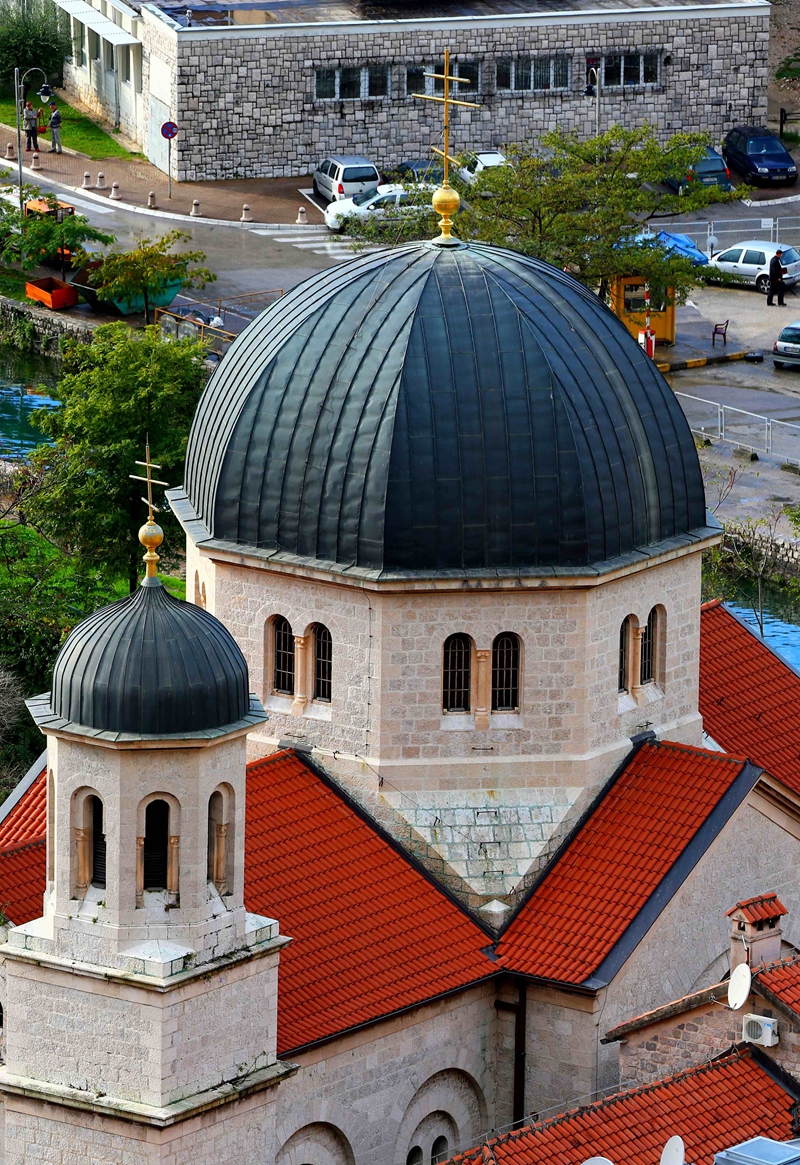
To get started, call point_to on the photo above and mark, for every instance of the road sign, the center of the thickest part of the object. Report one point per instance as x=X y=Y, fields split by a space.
x=169 y=130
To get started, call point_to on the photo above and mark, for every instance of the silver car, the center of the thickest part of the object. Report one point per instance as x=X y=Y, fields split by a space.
x=345 y=176
x=750 y=261
x=786 y=349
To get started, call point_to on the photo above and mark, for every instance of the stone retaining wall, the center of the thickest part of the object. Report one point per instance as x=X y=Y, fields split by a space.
x=50 y=326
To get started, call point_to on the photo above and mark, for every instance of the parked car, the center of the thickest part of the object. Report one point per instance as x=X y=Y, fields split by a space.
x=344 y=176
x=477 y=163
x=709 y=171
x=786 y=349
x=759 y=155
x=423 y=170
x=388 y=196
x=750 y=261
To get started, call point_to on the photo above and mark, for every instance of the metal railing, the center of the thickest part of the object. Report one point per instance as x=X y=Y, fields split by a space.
x=746 y=430
x=178 y=327
x=727 y=231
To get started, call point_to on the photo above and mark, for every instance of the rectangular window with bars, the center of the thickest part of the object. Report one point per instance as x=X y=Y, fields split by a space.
x=323 y=663
x=505 y=674
x=283 y=673
x=351 y=82
x=622 y=70
x=537 y=74
x=457 y=674
x=647 y=668
x=418 y=82
x=622 y=668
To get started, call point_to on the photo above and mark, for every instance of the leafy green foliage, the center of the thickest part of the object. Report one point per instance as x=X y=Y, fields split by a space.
x=32 y=34
x=580 y=205
x=140 y=273
x=29 y=240
x=115 y=391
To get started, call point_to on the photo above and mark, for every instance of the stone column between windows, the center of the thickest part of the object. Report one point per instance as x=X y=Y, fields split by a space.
x=84 y=871
x=636 y=664
x=483 y=668
x=140 y=871
x=173 y=864
x=301 y=673
x=220 y=858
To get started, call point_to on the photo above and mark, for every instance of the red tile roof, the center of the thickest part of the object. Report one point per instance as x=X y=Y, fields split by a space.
x=371 y=933
x=759 y=909
x=22 y=874
x=782 y=980
x=712 y=1107
x=585 y=902
x=749 y=697
x=26 y=820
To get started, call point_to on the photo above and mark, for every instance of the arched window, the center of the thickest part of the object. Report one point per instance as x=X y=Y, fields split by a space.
x=440 y=1150
x=624 y=652
x=505 y=673
x=217 y=843
x=323 y=662
x=283 y=671
x=415 y=1156
x=95 y=808
x=156 y=845
x=647 y=668
x=457 y=673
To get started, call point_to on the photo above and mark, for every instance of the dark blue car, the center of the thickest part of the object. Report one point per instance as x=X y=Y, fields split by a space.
x=759 y=156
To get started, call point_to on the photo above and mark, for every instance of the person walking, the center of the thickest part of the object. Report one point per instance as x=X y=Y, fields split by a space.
x=776 y=273
x=55 y=128
x=30 y=120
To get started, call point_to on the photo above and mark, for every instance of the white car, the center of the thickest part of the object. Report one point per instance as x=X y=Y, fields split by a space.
x=750 y=261
x=389 y=196
x=477 y=163
x=786 y=349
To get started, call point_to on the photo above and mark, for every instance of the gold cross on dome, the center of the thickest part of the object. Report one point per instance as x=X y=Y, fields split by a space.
x=445 y=200
x=151 y=481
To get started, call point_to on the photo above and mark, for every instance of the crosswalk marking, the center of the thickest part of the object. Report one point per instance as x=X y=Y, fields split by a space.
x=320 y=242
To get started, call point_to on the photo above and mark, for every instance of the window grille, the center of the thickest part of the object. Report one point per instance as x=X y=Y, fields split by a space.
x=538 y=73
x=626 y=69
x=284 y=657
x=323 y=662
x=351 y=82
x=440 y=1150
x=624 y=637
x=457 y=673
x=417 y=82
x=505 y=673
x=647 y=668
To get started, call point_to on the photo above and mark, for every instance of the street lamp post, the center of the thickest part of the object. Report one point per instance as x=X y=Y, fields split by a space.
x=45 y=93
x=593 y=89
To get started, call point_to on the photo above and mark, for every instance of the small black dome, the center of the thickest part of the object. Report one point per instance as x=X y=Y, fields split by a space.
x=150 y=665
x=436 y=409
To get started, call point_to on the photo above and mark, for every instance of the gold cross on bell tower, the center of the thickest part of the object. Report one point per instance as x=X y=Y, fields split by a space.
x=150 y=535
x=446 y=200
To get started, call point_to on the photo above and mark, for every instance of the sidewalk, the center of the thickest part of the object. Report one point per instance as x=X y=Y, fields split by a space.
x=693 y=347
x=271 y=200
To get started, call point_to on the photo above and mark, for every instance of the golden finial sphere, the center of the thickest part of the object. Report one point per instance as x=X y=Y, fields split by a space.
x=446 y=200
x=151 y=535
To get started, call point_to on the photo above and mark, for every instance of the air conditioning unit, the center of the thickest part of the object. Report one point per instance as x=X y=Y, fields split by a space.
x=760 y=1029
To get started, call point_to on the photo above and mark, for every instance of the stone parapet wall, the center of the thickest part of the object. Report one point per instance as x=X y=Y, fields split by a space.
x=248 y=105
x=49 y=326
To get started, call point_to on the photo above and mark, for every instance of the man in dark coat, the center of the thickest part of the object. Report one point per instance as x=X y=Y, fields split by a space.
x=776 y=273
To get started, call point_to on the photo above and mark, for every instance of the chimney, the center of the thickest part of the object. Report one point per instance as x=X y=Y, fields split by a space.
x=756 y=930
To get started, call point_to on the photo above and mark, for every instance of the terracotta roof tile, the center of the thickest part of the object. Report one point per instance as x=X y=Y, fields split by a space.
x=22 y=874
x=712 y=1107
x=782 y=979
x=585 y=902
x=27 y=819
x=760 y=908
x=371 y=933
x=749 y=696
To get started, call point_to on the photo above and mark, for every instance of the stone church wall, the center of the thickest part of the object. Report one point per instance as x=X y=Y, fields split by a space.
x=248 y=109
x=386 y=716
x=368 y=1097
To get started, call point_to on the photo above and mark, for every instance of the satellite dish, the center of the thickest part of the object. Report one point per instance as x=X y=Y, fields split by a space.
x=598 y=1161
x=674 y=1152
x=739 y=986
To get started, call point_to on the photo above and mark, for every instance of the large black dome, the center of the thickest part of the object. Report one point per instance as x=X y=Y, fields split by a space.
x=150 y=665
x=436 y=409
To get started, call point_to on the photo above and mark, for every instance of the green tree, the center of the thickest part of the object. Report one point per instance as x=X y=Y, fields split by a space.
x=581 y=205
x=44 y=237
x=33 y=33
x=115 y=391
x=142 y=272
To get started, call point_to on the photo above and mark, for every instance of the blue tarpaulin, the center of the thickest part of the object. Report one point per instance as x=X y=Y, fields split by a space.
x=680 y=243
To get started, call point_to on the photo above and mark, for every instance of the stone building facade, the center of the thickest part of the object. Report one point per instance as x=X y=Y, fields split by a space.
x=273 y=99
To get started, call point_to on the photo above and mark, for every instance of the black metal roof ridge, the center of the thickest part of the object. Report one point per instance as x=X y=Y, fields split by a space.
x=677 y=874
x=45 y=718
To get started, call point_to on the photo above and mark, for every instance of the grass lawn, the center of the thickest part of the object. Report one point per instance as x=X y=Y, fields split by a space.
x=78 y=132
x=12 y=284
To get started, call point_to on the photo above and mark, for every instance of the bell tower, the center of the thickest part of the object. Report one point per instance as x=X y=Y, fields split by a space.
x=145 y=996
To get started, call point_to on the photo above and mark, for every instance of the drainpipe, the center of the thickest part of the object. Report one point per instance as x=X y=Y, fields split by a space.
x=520 y=1035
